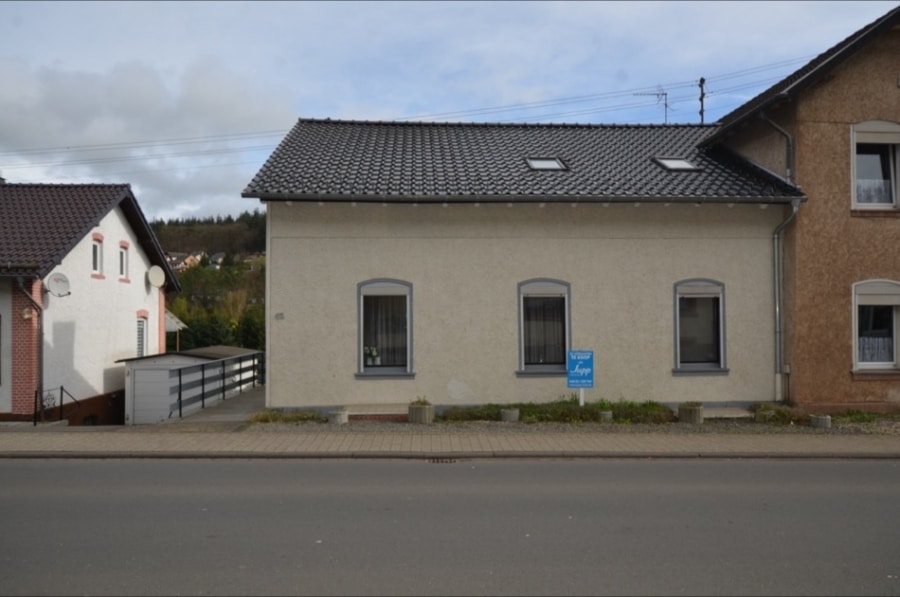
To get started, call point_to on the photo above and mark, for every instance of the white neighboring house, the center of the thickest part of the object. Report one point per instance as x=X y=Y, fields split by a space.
x=83 y=284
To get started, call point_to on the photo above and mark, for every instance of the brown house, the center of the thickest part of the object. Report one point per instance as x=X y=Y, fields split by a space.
x=833 y=129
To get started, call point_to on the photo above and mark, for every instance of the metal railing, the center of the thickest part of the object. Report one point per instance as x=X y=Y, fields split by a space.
x=215 y=379
x=47 y=401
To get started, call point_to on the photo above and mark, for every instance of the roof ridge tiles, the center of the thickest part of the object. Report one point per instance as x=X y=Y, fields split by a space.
x=438 y=123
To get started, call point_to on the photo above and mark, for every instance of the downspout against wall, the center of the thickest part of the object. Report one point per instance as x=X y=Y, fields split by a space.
x=776 y=239
x=40 y=312
x=789 y=147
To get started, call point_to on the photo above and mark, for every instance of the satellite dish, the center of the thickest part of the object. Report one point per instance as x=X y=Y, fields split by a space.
x=58 y=285
x=156 y=276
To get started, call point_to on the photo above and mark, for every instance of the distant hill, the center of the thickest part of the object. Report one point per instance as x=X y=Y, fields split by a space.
x=243 y=235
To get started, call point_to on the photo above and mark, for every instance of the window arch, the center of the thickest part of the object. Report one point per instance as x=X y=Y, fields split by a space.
x=384 y=345
x=699 y=326
x=544 y=326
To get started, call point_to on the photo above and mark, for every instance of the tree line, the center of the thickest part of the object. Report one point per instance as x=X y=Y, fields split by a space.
x=220 y=303
x=244 y=235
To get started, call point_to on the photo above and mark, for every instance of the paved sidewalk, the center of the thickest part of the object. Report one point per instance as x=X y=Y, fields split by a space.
x=220 y=431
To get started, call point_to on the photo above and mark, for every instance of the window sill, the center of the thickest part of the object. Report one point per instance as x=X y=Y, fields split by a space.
x=385 y=375
x=876 y=212
x=875 y=375
x=700 y=371
x=541 y=373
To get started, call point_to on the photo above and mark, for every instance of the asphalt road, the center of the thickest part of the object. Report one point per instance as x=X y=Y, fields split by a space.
x=545 y=527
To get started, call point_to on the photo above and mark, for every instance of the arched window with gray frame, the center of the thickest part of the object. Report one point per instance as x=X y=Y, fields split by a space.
x=385 y=327
x=544 y=326
x=699 y=326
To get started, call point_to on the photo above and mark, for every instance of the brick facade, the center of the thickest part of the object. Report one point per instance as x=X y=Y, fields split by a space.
x=26 y=328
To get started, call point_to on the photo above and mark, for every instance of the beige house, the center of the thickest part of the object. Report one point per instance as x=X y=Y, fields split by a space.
x=473 y=257
x=729 y=263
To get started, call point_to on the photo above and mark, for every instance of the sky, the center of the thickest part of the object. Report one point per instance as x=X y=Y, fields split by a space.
x=186 y=100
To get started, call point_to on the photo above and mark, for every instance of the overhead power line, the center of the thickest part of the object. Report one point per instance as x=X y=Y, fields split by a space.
x=129 y=147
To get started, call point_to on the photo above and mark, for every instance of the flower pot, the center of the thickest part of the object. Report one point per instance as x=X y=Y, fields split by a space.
x=820 y=421
x=421 y=413
x=690 y=413
x=509 y=414
x=338 y=417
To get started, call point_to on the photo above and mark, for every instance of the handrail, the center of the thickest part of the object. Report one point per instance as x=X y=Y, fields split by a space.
x=39 y=400
x=192 y=383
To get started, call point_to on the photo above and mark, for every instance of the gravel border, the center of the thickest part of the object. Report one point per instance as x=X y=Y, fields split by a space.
x=885 y=427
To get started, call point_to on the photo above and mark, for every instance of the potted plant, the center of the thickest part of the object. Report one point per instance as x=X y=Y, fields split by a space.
x=372 y=356
x=690 y=412
x=509 y=413
x=421 y=411
x=820 y=421
x=338 y=416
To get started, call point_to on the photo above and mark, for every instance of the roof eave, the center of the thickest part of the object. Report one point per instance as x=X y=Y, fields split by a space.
x=500 y=199
x=847 y=48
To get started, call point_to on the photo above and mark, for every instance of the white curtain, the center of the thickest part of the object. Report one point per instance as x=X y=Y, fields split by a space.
x=384 y=329
x=544 y=330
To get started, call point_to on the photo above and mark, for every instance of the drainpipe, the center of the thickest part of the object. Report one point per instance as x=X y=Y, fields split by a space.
x=789 y=147
x=795 y=205
x=40 y=312
x=776 y=239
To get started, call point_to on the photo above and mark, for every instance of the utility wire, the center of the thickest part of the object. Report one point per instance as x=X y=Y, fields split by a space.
x=500 y=109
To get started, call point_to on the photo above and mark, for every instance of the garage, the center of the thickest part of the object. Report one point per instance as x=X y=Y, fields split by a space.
x=175 y=384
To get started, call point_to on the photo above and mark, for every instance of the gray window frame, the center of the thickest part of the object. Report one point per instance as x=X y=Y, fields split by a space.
x=381 y=287
x=698 y=288
x=543 y=287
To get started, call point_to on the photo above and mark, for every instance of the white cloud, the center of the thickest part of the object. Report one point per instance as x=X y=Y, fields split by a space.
x=156 y=93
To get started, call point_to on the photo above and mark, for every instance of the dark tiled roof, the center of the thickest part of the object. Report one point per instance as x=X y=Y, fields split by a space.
x=810 y=73
x=41 y=223
x=337 y=160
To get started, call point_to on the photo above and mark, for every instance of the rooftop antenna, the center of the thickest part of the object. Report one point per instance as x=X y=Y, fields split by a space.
x=702 y=95
x=661 y=95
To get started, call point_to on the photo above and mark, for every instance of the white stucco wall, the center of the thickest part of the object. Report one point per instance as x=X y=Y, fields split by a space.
x=464 y=263
x=87 y=331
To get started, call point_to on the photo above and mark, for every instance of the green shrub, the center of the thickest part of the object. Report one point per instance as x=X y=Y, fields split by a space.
x=565 y=410
x=856 y=416
x=278 y=416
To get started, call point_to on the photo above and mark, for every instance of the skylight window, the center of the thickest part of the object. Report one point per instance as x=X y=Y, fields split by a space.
x=545 y=164
x=675 y=164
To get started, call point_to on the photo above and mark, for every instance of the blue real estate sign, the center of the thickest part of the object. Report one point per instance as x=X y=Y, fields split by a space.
x=580 y=365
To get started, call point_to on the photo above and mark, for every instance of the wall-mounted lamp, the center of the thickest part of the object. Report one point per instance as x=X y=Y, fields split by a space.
x=26 y=313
